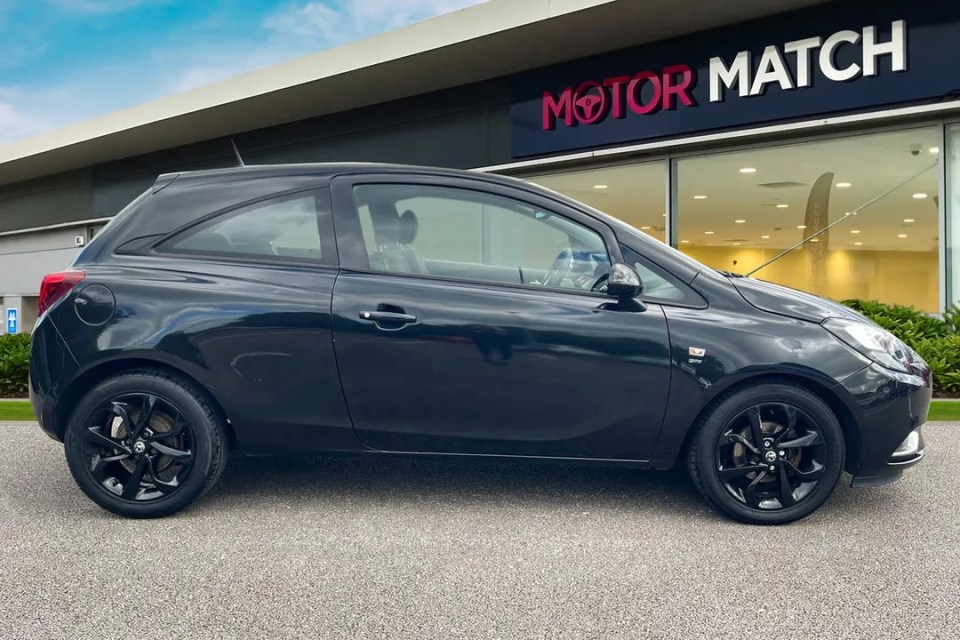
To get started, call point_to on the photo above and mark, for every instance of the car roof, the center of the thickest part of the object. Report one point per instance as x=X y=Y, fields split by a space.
x=321 y=169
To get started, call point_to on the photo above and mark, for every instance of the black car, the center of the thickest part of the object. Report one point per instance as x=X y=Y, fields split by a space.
x=401 y=310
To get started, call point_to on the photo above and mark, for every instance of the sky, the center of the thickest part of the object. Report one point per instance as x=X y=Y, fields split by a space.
x=62 y=61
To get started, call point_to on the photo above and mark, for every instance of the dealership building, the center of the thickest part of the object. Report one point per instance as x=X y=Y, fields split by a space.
x=731 y=130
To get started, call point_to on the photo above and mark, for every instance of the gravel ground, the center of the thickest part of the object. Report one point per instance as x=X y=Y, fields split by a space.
x=400 y=548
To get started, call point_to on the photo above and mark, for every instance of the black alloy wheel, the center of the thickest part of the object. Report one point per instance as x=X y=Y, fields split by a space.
x=768 y=454
x=139 y=447
x=145 y=444
x=771 y=456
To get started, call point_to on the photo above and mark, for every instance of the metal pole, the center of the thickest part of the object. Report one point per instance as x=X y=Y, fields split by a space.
x=848 y=214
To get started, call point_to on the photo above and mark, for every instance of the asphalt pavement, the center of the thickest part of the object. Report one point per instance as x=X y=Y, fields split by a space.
x=413 y=548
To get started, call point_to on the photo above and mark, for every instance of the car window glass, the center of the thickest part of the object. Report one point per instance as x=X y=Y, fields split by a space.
x=655 y=285
x=470 y=235
x=285 y=229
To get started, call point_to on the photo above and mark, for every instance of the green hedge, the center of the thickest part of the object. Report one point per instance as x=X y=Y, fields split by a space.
x=14 y=364
x=936 y=340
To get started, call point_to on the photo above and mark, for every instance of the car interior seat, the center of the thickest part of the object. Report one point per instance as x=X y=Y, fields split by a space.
x=249 y=241
x=407 y=232
x=394 y=235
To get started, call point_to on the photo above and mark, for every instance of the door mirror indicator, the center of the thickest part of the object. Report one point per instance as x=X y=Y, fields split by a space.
x=623 y=282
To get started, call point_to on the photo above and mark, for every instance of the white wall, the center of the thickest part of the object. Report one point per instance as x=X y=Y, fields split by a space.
x=26 y=258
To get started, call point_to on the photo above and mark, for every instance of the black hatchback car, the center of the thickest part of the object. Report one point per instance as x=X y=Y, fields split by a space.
x=402 y=310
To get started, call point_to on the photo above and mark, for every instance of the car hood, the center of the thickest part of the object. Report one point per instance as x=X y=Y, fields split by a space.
x=789 y=302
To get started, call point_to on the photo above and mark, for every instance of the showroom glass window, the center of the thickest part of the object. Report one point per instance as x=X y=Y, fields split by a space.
x=737 y=210
x=953 y=213
x=633 y=192
x=470 y=235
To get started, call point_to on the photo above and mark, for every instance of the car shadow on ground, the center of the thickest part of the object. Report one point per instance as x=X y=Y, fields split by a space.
x=491 y=482
x=332 y=481
x=455 y=481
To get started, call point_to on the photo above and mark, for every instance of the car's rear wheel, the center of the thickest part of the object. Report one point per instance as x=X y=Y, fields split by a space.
x=145 y=444
x=767 y=454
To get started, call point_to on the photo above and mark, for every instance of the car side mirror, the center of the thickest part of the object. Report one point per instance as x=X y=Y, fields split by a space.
x=623 y=282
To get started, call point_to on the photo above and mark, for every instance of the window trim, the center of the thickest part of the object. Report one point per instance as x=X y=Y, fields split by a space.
x=480 y=283
x=325 y=227
x=352 y=248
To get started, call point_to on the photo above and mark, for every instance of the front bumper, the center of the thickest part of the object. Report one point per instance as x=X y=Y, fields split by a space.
x=888 y=408
x=895 y=467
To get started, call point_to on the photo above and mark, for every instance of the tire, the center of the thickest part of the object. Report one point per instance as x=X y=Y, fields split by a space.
x=745 y=481
x=179 y=454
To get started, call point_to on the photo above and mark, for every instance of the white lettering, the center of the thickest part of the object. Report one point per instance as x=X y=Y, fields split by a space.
x=896 y=48
x=803 y=48
x=771 y=69
x=737 y=74
x=827 y=65
x=749 y=80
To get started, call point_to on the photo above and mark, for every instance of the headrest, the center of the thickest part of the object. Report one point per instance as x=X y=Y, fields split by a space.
x=409 y=226
x=248 y=237
x=211 y=242
x=385 y=223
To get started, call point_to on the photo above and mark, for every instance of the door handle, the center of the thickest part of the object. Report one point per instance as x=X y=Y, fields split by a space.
x=387 y=317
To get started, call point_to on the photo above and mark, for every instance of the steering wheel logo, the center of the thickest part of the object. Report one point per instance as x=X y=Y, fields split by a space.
x=590 y=102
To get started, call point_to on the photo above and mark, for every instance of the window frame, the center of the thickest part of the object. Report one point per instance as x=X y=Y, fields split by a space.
x=352 y=248
x=325 y=227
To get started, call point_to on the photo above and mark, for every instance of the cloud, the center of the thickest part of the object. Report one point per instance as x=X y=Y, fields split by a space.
x=19 y=115
x=338 y=21
x=187 y=74
x=298 y=29
x=30 y=109
x=27 y=110
x=16 y=54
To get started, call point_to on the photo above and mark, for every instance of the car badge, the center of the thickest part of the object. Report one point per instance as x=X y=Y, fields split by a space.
x=697 y=352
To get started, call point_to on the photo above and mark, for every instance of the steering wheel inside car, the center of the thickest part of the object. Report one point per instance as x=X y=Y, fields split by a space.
x=600 y=286
x=563 y=269
x=559 y=270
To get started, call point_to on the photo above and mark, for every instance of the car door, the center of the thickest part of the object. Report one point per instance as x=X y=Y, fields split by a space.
x=254 y=285
x=464 y=322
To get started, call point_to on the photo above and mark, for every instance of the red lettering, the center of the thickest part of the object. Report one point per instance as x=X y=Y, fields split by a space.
x=633 y=93
x=616 y=85
x=592 y=102
x=680 y=89
x=557 y=107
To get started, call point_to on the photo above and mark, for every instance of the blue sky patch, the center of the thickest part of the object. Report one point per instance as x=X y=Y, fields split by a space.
x=62 y=61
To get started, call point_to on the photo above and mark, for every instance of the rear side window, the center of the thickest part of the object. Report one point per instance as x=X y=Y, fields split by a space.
x=286 y=229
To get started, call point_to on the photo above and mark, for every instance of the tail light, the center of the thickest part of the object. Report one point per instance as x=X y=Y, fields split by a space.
x=55 y=286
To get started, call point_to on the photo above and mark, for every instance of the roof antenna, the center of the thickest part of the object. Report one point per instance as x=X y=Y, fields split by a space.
x=236 y=152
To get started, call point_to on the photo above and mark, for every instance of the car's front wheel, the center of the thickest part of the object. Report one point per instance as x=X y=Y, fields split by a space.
x=145 y=444
x=767 y=454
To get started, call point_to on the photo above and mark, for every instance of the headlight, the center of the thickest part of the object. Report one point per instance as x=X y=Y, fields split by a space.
x=879 y=345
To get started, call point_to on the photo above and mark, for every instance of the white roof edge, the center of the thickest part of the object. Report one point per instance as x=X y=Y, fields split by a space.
x=474 y=22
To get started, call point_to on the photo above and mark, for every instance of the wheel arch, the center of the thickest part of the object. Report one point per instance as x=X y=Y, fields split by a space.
x=80 y=385
x=848 y=424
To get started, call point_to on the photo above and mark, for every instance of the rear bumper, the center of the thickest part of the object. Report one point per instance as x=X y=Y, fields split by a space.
x=889 y=406
x=43 y=408
x=51 y=367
